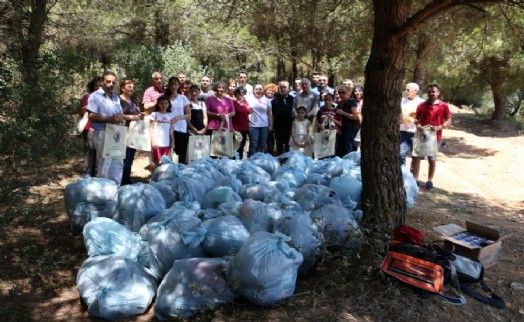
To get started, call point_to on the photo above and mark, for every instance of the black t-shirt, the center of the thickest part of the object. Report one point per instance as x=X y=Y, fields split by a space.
x=197 y=115
x=347 y=124
x=282 y=109
x=129 y=108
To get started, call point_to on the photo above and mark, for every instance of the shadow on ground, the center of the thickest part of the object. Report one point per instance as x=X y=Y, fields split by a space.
x=473 y=124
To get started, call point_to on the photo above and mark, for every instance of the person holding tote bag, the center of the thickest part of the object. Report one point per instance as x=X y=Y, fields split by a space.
x=220 y=110
x=199 y=144
x=104 y=108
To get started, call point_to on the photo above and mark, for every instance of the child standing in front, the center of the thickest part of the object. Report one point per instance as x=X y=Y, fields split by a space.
x=162 y=140
x=300 y=136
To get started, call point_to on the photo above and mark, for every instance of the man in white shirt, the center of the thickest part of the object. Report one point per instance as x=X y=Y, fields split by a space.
x=407 y=126
x=242 y=81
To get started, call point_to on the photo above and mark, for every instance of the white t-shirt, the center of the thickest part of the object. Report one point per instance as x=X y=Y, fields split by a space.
x=177 y=109
x=408 y=107
x=259 y=109
x=162 y=128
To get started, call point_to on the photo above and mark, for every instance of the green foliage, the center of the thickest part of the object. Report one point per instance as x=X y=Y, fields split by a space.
x=180 y=58
x=34 y=128
x=139 y=63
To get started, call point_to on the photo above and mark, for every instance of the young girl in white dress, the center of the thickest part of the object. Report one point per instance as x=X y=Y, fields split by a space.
x=300 y=133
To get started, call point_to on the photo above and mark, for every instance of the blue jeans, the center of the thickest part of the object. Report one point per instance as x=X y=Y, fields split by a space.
x=406 y=143
x=257 y=139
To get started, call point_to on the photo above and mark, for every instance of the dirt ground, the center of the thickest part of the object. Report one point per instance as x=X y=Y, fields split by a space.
x=479 y=178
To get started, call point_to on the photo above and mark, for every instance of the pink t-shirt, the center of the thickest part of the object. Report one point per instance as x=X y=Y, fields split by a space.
x=151 y=95
x=220 y=106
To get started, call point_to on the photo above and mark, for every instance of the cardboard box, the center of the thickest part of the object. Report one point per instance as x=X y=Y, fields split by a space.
x=488 y=254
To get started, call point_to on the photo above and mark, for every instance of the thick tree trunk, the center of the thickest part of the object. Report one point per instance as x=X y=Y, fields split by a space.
x=423 y=51
x=383 y=195
x=496 y=71
x=32 y=41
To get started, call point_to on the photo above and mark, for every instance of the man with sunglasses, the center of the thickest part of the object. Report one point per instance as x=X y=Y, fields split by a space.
x=104 y=108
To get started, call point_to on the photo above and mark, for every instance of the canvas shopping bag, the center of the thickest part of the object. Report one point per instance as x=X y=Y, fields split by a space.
x=425 y=143
x=324 y=145
x=199 y=147
x=222 y=141
x=82 y=122
x=114 y=142
x=139 y=136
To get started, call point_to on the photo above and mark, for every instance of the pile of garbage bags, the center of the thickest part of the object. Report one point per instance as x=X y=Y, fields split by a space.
x=200 y=235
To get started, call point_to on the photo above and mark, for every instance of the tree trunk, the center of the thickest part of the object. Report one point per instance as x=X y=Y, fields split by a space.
x=498 y=99
x=32 y=41
x=496 y=68
x=383 y=195
x=294 y=63
x=161 y=28
x=281 y=67
x=423 y=51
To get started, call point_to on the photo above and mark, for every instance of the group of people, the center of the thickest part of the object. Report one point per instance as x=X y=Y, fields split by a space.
x=272 y=118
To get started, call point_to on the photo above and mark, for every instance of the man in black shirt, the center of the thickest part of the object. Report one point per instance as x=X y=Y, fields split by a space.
x=282 y=108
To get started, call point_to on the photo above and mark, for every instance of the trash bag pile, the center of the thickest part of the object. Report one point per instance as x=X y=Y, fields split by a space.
x=200 y=235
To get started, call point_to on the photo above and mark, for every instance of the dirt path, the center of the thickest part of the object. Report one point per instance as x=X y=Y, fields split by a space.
x=479 y=177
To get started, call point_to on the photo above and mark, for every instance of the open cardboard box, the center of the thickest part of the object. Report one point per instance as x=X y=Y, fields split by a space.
x=488 y=255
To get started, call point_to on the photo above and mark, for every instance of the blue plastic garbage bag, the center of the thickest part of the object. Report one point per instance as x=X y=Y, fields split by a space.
x=88 y=199
x=353 y=157
x=104 y=236
x=266 y=161
x=249 y=172
x=115 y=287
x=224 y=235
x=295 y=159
x=311 y=197
x=176 y=238
x=217 y=196
x=207 y=168
x=192 y=286
x=264 y=271
x=229 y=181
x=337 y=224
x=317 y=178
x=189 y=189
x=410 y=185
x=294 y=175
x=198 y=176
x=348 y=189
x=260 y=191
x=227 y=166
x=137 y=203
x=305 y=237
x=258 y=216
x=164 y=187
x=167 y=171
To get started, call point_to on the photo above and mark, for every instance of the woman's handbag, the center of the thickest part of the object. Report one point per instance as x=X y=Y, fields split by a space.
x=324 y=145
x=139 y=136
x=198 y=147
x=114 y=142
x=425 y=143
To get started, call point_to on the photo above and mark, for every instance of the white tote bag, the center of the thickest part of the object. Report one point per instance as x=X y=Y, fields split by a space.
x=198 y=147
x=114 y=142
x=139 y=136
x=324 y=145
x=222 y=144
x=425 y=143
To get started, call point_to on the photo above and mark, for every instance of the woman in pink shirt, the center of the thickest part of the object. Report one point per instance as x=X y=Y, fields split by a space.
x=219 y=108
